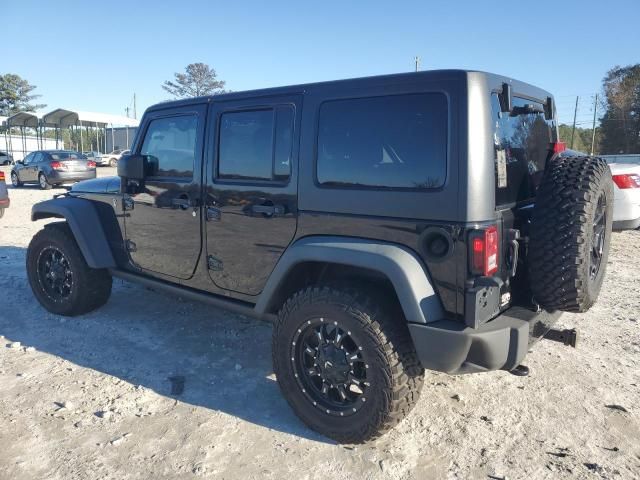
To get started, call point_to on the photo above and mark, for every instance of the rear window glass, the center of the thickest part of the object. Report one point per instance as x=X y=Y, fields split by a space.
x=522 y=146
x=383 y=142
x=67 y=156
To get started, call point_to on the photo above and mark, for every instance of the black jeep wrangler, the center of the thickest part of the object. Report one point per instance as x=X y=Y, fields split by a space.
x=385 y=225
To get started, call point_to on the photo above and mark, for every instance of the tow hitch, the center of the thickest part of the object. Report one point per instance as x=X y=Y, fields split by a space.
x=568 y=337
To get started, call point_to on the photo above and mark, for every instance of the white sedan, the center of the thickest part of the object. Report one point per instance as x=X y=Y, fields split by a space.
x=626 y=189
x=113 y=157
x=626 y=206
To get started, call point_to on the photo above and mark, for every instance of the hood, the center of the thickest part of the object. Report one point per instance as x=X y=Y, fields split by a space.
x=98 y=185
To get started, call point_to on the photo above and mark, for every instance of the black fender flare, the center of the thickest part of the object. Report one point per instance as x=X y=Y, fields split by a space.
x=84 y=221
x=403 y=268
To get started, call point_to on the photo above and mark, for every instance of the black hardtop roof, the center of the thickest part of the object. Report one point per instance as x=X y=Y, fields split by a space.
x=301 y=88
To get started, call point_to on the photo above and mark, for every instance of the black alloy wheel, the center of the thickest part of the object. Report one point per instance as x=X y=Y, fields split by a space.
x=54 y=274
x=598 y=239
x=330 y=367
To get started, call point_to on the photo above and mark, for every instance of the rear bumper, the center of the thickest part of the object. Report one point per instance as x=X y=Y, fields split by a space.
x=501 y=344
x=64 y=177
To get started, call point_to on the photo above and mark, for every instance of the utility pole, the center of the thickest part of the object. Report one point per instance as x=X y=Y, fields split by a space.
x=593 y=131
x=573 y=130
x=135 y=116
x=417 y=60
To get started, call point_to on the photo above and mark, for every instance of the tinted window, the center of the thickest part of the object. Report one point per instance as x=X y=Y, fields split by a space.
x=28 y=158
x=522 y=145
x=284 y=142
x=170 y=144
x=389 y=142
x=37 y=158
x=251 y=148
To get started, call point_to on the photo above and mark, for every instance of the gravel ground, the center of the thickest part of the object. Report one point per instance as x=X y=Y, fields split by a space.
x=90 y=397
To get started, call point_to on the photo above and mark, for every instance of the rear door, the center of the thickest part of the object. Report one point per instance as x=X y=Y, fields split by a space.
x=163 y=218
x=31 y=172
x=251 y=194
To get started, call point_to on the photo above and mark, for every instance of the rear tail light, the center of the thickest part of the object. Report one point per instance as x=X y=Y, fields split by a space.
x=484 y=251
x=627 y=180
x=91 y=164
x=559 y=147
x=2 y=176
x=56 y=165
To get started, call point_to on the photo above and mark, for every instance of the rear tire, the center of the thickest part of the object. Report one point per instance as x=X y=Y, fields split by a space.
x=571 y=233
x=42 y=181
x=70 y=287
x=384 y=364
x=113 y=162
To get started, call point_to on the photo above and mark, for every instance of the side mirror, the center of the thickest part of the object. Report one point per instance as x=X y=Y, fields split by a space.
x=132 y=167
x=19 y=162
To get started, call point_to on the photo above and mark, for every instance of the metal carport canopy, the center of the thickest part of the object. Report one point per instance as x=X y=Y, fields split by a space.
x=62 y=118
x=23 y=119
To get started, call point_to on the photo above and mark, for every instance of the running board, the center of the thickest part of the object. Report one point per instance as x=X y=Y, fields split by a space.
x=567 y=337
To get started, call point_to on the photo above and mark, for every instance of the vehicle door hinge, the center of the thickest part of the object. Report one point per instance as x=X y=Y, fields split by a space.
x=127 y=203
x=130 y=246
x=214 y=263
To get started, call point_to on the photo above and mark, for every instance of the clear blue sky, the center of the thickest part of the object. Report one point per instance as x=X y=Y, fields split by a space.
x=93 y=55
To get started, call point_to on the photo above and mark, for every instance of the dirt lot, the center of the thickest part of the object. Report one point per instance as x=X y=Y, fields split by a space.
x=90 y=397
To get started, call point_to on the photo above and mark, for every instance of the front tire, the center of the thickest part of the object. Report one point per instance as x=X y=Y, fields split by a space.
x=345 y=363
x=42 y=181
x=113 y=162
x=15 y=181
x=59 y=276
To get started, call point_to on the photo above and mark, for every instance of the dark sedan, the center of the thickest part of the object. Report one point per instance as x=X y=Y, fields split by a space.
x=52 y=167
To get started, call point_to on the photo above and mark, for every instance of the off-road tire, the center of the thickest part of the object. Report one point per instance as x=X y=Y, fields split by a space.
x=91 y=287
x=396 y=374
x=562 y=232
x=15 y=181
x=43 y=182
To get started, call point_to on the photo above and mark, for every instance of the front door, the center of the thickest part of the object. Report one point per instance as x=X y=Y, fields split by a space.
x=29 y=172
x=251 y=197
x=162 y=220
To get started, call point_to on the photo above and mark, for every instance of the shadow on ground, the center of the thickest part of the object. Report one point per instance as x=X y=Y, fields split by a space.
x=146 y=338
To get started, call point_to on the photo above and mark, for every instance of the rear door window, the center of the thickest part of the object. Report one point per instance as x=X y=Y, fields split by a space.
x=522 y=145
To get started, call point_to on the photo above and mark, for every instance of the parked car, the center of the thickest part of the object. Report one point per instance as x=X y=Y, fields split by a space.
x=626 y=190
x=100 y=158
x=6 y=158
x=4 y=195
x=113 y=157
x=386 y=225
x=52 y=167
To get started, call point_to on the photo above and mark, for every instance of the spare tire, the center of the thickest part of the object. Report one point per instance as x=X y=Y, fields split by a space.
x=571 y=233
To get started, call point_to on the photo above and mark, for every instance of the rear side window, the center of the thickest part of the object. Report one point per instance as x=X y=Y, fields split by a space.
x=384 y=142
x=256 y=144
x=522 y=146
x=170 y=144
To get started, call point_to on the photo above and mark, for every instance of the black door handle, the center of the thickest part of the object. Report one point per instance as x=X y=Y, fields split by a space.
x=269 y=210
x=181 y=202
